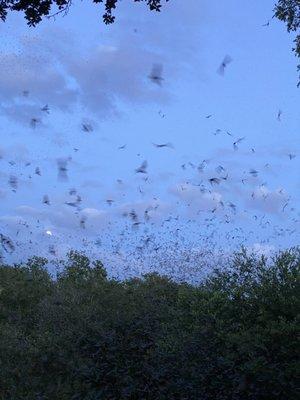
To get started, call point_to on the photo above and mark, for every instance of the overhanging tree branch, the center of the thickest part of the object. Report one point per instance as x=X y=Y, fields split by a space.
x=288 y=11
x=36 y=10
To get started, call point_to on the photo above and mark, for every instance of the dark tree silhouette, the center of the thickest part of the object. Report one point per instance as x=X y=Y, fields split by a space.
x=36 y=10
x=85 y=336
x=288 y=11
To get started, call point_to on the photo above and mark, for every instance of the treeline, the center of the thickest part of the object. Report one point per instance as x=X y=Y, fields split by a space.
x=83 y=336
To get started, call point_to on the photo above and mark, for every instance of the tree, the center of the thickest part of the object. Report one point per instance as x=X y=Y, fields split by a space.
x=85 y=336
x=288 y=11
x=36 y=10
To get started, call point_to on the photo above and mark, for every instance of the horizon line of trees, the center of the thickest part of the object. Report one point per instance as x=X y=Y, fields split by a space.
x=234 y=336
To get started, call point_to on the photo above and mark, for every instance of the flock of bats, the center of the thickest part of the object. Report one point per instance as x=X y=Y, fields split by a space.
x=205 y=185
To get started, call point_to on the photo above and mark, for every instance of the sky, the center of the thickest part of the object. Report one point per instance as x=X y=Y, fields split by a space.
x=76 y=94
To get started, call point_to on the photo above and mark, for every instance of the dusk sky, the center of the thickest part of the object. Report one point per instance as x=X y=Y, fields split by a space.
x=76 y=93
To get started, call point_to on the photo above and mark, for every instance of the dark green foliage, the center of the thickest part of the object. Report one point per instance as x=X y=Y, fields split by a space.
x=288 y=11
x=87 y=337
x=36 y=10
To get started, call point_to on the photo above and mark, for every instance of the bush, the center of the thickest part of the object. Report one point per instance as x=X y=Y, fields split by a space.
x=84 y=336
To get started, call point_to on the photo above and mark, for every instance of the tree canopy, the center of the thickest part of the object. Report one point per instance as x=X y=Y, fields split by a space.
x=36 y=10
x=288 y=11
x=86 y=336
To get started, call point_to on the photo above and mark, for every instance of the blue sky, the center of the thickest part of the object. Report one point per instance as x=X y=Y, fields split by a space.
x=89 y=73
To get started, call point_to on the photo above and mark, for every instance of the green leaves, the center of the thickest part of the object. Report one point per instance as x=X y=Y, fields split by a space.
x=288 y=11
x=36 y=10
x=84 y=336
